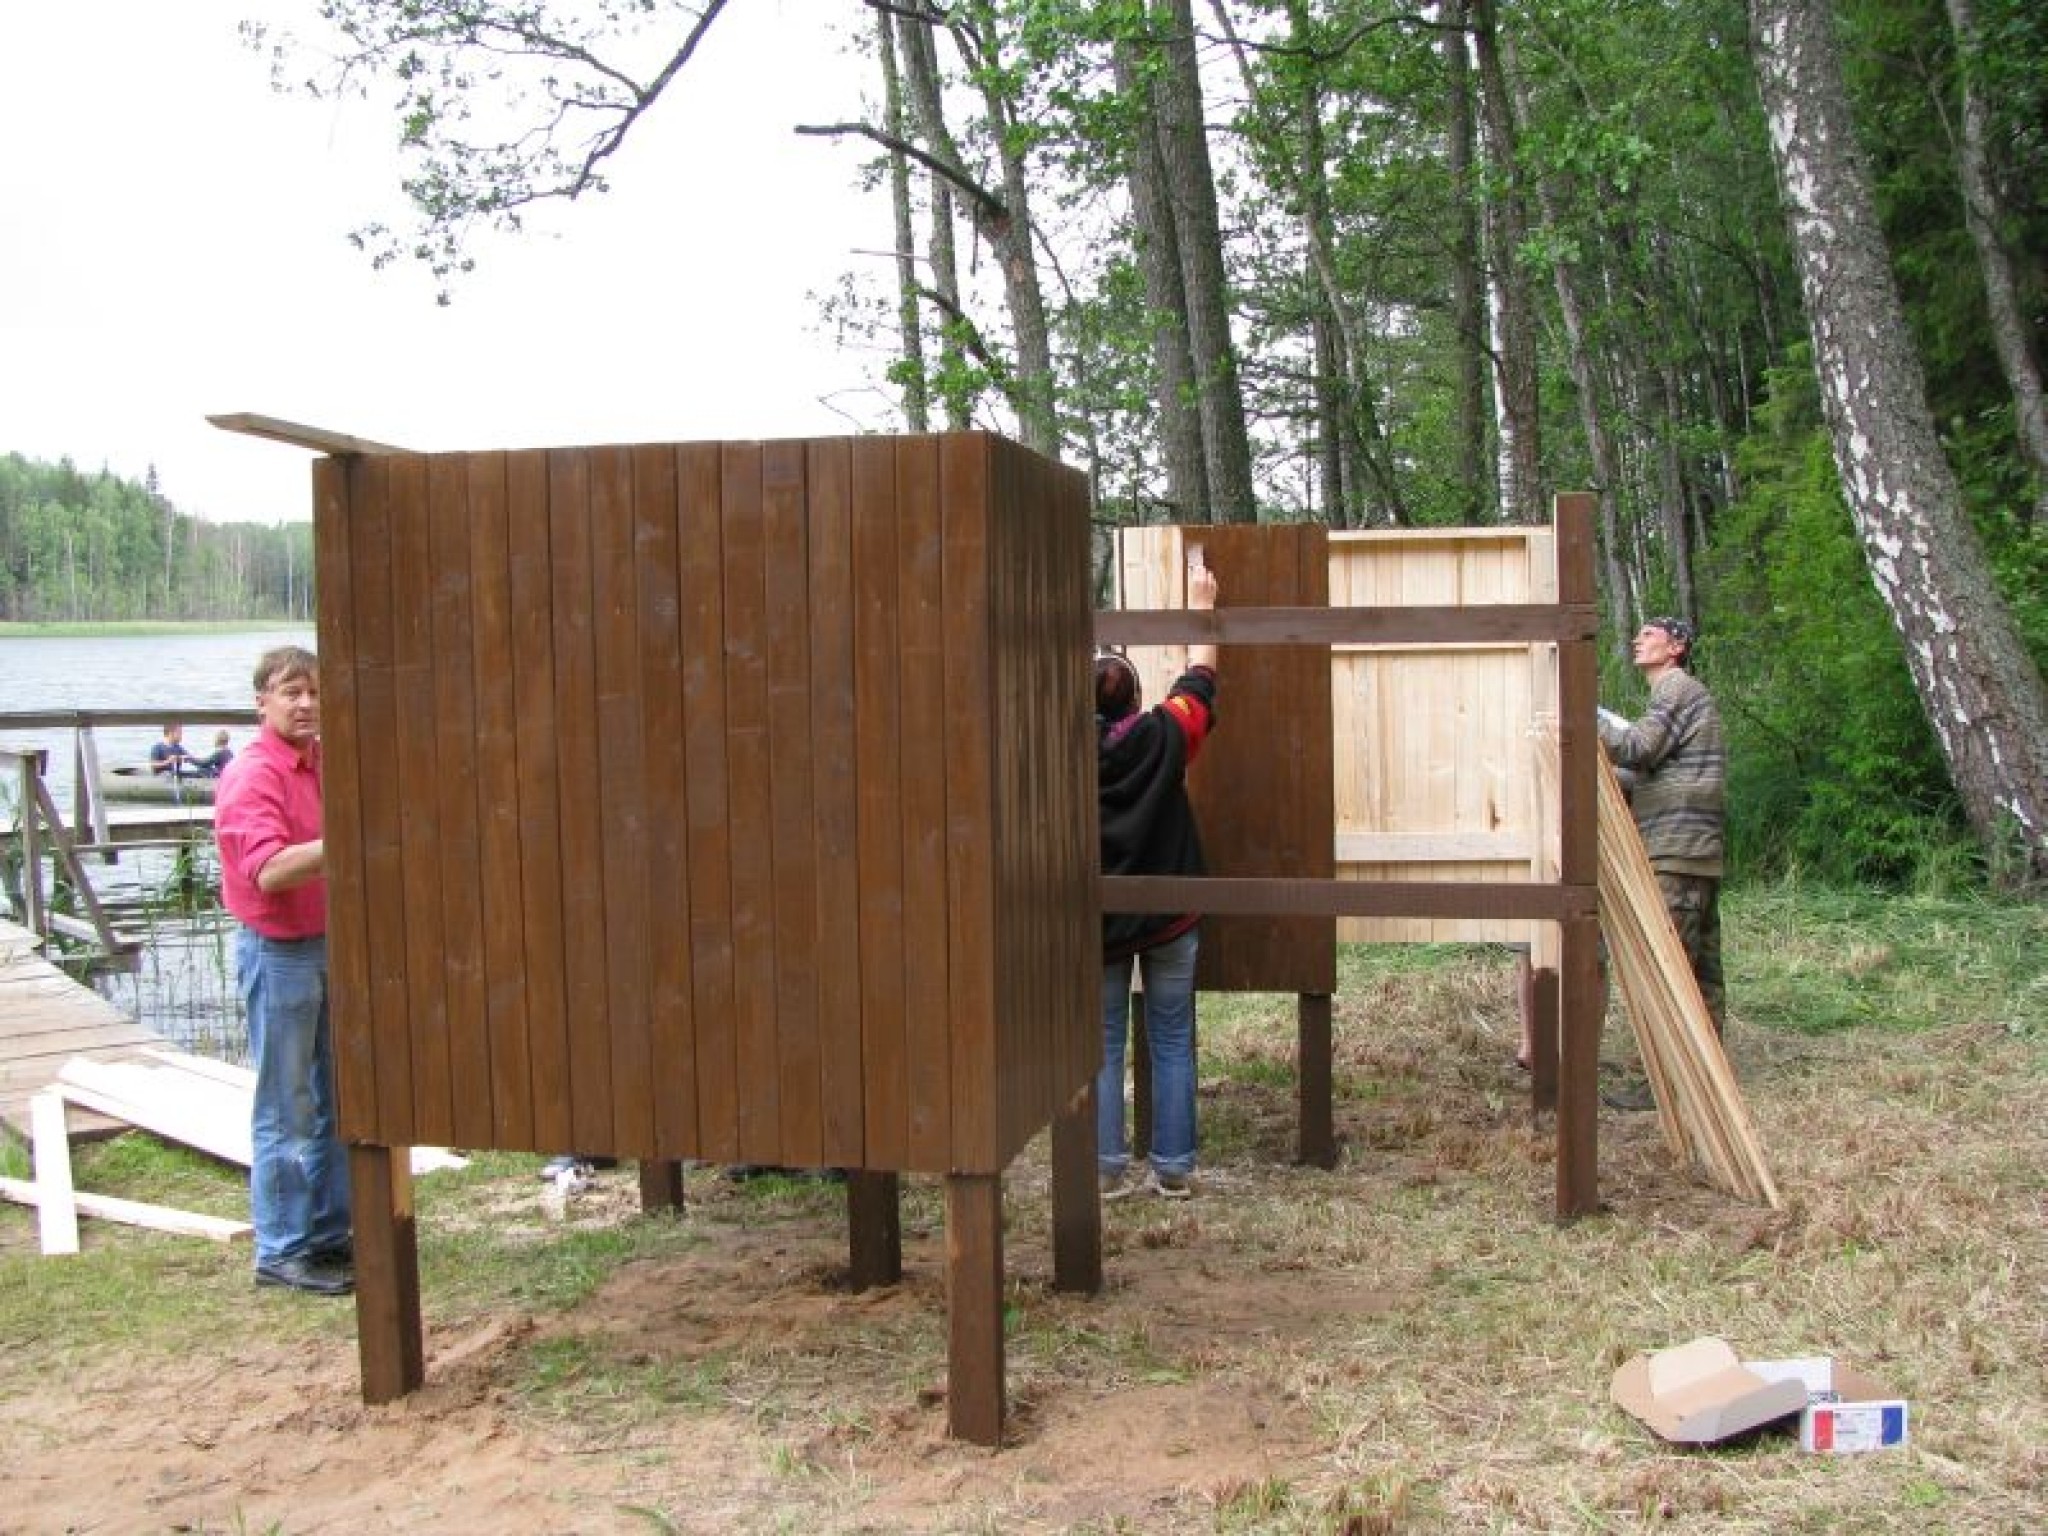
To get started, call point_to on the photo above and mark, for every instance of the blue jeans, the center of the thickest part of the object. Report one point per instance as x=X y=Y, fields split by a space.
x=298 y=1180
x=1169 y=973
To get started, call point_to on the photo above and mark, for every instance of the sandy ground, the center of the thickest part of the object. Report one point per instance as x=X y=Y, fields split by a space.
x=278 y=1439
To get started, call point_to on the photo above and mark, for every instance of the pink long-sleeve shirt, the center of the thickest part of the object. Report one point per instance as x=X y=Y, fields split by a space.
x=269 y=799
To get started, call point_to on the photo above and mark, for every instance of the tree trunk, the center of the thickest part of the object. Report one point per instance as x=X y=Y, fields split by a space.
x=909 y=324
x=1157 y=250
x=921 y=70
x=1468 y=289
x=1514 y=322
x=1981 y=213
x=1191 y=186
x=1982 y=692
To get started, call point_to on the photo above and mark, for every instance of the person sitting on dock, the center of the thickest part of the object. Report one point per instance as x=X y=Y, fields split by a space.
x=216 y=760
x=172 y=758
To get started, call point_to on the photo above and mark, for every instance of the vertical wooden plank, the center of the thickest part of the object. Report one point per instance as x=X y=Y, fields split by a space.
x=874 y=1226
x=535 y=751
x=835 y=793
x=974 y=1304
x=792 y=809
x=388 y=521
x=921 y=641
x=1581 y=996
x=1076 y=1198
x=965 y=680
x=457 y=846
x=499 y=877
x=1542 y=1008
x=672 y=1059
x=1318 y=1136
x=348 y=952
x=878 y=745
x=390 y=1340
x=701 y=565
x=751 y=805
x=622 y=808
x=580 y=796
x=56 y=1203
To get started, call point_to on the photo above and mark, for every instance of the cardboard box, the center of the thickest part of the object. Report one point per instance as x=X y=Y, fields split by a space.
x=1845 y=1410
x=1701 y=1392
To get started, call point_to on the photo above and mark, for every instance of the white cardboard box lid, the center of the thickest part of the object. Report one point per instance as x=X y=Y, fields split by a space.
x=1700 y=1392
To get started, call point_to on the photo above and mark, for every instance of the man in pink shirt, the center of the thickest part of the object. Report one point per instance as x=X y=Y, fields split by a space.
x=273 y=879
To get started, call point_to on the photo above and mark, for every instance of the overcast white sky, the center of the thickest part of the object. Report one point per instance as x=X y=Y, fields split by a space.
x=173 y=244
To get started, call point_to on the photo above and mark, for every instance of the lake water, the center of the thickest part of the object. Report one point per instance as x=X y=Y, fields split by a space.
x=185 y=989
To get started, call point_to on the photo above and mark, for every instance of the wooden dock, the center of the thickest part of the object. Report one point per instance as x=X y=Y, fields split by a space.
x=46 y=1018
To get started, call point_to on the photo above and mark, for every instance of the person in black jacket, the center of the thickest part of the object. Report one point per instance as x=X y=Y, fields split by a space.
x=1148 y=828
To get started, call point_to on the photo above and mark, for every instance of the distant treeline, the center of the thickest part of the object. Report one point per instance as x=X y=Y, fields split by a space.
x=98 y=547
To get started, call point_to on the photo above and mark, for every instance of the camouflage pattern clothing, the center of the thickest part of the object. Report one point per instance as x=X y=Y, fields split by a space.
x=1679 y=761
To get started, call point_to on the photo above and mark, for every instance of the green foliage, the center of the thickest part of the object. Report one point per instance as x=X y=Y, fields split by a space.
x=1833 y=769
x=78 y=547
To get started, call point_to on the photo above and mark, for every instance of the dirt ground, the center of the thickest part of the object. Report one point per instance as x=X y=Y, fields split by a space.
x=1407 y=1342
x=277 y=1438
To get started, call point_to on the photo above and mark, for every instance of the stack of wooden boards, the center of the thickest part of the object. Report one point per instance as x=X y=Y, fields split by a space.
x=1705 y=1121
x=193 y=1100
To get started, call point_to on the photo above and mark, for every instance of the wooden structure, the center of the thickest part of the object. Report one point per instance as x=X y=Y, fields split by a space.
x=1437 y=657
x=730 y=801
x=46 y=1019
x=1262 y=791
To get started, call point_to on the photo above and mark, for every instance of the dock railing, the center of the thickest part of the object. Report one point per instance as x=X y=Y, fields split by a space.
x=39 y=831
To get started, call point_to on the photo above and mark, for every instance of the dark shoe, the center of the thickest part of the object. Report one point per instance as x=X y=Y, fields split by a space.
x=313 y=1276
x=341 y=1256
x=1632 y=1095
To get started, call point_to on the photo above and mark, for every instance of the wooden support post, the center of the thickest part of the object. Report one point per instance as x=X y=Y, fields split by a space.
x=1318 y=1133
x=661 y=1185
x=389 y=1336
x=1538 y=1004
x=974 y=1305
x=1581 y=1002
x=1580 y=996
x=1076 y=1198
x=874 y=1228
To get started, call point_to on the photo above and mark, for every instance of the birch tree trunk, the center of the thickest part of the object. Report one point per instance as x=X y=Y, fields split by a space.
x=1468 y=321
x=1981 y=690
x=1514 y=322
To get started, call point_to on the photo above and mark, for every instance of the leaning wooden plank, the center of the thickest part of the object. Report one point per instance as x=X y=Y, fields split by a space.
x=134 y=1213
x=179 y=1106
x=206 y=1066
x=1703 y=1109
x=56 y=1208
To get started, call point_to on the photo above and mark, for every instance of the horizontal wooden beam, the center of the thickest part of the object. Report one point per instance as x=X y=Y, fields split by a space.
x=319 y=439
x=74 y=719
x=1483 y=623
x=1234 y=897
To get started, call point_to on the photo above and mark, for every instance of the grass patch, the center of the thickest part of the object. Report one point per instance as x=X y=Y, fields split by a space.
x=1408 y=1342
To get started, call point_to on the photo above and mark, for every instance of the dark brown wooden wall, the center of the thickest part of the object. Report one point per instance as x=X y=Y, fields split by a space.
x=1263 y=788
x=709 y=800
